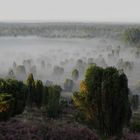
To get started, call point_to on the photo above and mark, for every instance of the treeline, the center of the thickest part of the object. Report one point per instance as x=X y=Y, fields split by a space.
x=15 y=95
x=62 y=30
x=132 y=35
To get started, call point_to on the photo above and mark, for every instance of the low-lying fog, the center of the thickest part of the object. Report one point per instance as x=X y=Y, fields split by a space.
x=53 y=60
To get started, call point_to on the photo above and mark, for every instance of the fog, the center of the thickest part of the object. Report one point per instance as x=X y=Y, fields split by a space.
x=53 y=60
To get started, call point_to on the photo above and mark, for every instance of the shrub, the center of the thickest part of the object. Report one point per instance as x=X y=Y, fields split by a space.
x=14 y=90
x=53 y=106
x=6 y=106
x=63 y=103
x=80 y=116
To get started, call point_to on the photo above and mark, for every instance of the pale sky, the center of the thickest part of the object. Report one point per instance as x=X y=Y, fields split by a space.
x=70 y=10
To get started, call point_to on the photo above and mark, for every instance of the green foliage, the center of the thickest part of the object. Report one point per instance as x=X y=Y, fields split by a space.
x=14 y=95
x=38 y=93
x=18 y=92
x=31 y=90
x=63 y=103
x=6 y=106
x=80 y=116
x=42 y=96
x=105 y=101
x=53 y=106
x=30 y=80
x=45 y=96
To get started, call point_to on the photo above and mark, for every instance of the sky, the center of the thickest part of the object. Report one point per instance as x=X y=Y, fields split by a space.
x=70 y=10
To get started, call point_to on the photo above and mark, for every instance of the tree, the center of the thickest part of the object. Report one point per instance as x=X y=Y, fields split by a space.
x=75 y=74
x=45 y=97
x=31 y=90
x=15 y=91
x=53 y=106
x=6 y=106
x=38 y=93
x=18 y=91
x=103 y=97
x=68 y=84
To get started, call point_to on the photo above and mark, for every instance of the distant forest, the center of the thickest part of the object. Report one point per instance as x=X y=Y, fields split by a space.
x=65 y=30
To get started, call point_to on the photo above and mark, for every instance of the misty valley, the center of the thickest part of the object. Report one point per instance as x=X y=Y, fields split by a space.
x=62 y=81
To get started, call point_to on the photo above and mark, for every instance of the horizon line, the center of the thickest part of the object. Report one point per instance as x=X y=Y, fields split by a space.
x=68 y=21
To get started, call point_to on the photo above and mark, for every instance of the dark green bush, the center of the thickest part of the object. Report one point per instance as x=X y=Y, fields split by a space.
x=63 y=103
x=53 y=106
x=135 y=126
x=80 y=116
x=15 y=91
x=6 y=106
